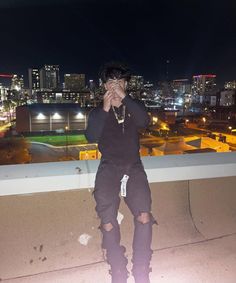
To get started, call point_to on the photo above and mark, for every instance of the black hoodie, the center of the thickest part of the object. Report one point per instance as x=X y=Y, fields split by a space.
x=118 y=143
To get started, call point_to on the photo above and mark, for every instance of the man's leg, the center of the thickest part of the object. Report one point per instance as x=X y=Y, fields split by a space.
x=106 y=194
x=142 y=252
x=139 y=202
x=114 y=251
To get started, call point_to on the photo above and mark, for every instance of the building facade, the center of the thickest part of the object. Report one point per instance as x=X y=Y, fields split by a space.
x=50 y=118
x=34 y=79
x=82 y=98
x=17 y=82
x=136 y=83
x=74 y=82
x=3 y=92
x=204 y=89
x=230 y=85
x=49 y=77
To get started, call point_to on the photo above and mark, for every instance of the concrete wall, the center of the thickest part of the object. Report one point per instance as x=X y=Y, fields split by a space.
x=54 y=230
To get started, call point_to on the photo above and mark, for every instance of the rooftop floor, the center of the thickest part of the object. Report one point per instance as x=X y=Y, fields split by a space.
x=212 y=261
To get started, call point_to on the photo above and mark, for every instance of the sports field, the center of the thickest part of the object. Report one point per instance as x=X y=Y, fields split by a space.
x=60 y=140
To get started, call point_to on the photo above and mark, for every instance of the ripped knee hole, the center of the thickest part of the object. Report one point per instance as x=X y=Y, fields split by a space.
x=107 y=227
x=144 y=217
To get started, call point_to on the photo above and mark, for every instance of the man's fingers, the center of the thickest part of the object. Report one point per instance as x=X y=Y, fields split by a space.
x=106 y=94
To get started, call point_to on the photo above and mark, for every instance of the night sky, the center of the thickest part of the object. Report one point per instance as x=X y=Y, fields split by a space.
x=195 y=36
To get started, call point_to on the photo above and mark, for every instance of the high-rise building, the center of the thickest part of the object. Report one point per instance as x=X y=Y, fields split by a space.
x=49 y=77
x=34 y=79
x=136 y=83
x=230 y=85
x=17 y=82
x=227 y=97
x=181 y=86
x=74 y=82
x=203 y=86
x=3 y=92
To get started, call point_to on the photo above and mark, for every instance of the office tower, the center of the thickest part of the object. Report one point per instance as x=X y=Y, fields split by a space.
x=228 y=97
x=49 y=77
x=136 y=83
x=181 y=86
x=74 y=82
x=230 y=85
x=34 y=79
x=203 y=86
x=17 y=82
x=3 y=92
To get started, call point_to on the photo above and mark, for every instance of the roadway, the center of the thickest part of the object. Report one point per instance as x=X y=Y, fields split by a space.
x=47 y=153
x=43 y=153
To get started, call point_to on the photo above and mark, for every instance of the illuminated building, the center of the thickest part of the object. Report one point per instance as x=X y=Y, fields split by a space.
x=136 y=83
x=17 y=82
x=181 y=86
x=50 y=117
x=227 y=98
x=49 y=77
x=3 y=92
x=74 y=82
x=204 y=89
x=34 y=79
x=92 y=85
x=230 y=85
x=62 y=96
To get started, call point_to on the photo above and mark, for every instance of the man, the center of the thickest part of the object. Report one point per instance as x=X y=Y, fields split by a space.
x=115 y=127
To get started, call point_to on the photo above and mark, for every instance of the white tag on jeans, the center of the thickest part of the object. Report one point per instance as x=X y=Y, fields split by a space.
x=124 y=181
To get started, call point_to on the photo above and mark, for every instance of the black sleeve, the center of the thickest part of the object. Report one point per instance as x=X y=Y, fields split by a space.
x=137 y=111
x=96 y=121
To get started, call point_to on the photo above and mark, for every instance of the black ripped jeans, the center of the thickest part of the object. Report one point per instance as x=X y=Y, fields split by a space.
x=138 y=199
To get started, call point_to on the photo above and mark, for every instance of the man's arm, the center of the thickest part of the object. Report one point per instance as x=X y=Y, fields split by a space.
x=97 y=118
x=137 y=110
x=96 y=121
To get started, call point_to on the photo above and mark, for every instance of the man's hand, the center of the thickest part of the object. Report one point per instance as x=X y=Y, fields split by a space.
x=117 y=89
x=107 y=101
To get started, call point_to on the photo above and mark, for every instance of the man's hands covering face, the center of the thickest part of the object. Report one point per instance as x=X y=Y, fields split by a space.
x=107 y=101
x=118 y=88
x=115 y=93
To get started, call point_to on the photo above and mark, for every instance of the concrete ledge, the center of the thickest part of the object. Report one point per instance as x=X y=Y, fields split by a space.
x=70 y=175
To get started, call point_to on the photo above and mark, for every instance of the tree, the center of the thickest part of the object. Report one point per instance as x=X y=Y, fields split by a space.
x=14 y=151
x=9 y=107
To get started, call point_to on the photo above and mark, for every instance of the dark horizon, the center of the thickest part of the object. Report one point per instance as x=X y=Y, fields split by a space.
x=80 y=35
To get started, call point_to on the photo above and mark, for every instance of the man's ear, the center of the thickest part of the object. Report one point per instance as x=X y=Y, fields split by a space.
x=126 y=84
x=105 y=86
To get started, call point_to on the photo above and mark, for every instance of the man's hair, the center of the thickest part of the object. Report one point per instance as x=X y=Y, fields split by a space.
x=114 y=70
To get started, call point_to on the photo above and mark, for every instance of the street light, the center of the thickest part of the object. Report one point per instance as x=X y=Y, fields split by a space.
x=66 y=130
x=154 y=120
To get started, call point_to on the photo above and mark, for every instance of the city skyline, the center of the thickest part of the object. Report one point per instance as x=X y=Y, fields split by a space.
x=81 y=35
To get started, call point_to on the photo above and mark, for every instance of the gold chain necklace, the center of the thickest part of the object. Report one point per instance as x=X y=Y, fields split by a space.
x=121 y=119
